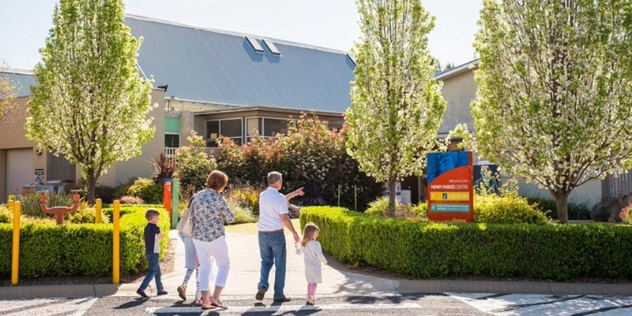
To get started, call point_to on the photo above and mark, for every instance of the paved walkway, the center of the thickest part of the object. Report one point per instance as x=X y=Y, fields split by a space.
x=337 y=280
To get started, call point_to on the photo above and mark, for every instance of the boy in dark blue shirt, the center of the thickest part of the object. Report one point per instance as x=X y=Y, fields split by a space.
x=153 y=236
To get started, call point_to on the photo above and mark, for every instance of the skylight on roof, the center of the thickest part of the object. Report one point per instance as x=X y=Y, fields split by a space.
x=273 y=49
x=255 y=45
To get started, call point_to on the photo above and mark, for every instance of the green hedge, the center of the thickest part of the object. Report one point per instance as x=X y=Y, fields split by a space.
x=78 y=249
x=428 y=249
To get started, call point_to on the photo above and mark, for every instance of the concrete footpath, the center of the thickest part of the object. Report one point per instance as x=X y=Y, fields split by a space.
x=337 y=280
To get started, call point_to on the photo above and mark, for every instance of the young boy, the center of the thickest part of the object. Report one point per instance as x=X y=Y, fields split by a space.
x=153 y=236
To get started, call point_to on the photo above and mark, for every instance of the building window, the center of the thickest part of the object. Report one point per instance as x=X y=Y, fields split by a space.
x=272 y=127
x=231 y=128
x=172 y=140
x=265 y=126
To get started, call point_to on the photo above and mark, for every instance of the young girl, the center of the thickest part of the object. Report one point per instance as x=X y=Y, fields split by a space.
x=313 y=256
x=191 y=263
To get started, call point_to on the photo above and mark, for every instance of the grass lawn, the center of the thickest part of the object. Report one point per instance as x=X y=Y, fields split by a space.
x=251 y=228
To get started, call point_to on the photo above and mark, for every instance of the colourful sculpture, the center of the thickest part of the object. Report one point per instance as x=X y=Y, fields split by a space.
x=59 y=211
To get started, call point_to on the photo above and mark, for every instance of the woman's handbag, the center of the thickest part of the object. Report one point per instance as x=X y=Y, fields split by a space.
x=185 y=225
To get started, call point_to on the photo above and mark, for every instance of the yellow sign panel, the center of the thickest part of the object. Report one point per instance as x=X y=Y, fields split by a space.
x=449 y=196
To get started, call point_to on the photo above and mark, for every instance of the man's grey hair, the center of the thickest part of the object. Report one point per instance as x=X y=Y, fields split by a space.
x=273 y=177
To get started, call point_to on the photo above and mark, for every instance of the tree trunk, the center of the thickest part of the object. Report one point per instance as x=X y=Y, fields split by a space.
x=391 y=198
x=561 y=199
x=92 y=184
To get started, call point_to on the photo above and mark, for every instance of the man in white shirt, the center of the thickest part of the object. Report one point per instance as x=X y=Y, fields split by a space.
x=273 y=215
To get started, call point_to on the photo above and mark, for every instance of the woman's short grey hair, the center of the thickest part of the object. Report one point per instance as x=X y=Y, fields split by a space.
x=273 y=177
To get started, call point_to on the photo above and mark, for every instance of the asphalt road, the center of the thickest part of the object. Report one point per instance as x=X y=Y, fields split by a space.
x=423 y=304
x=447 y=304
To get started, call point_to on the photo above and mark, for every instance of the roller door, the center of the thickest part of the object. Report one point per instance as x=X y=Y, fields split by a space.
x=19 y=169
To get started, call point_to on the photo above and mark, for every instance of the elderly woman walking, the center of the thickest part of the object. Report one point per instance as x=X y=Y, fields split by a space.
x=210 y=211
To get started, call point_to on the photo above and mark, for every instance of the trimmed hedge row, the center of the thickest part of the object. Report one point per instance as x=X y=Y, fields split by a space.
x=428 y=249
x=78 y=249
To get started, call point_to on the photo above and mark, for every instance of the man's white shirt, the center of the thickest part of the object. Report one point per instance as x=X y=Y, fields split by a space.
x=271 y=205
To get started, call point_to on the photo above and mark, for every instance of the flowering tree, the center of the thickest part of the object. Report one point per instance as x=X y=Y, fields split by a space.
x=90 y=104
x=7 y=96
x=554 y=96
x=396 y=105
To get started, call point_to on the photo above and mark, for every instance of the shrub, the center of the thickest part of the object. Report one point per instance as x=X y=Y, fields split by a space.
x=380 y=206
x=31 y=203
x=106 y=193
x=164 y=168
x=131 y=200
x=146 y=190
x=84 y=215
x=242 y=214
x=513 y=209
x=6 y=215
x=549 y=208
x=194 y=164
x=608 y=208
x=421 y=209
x=626 y=214
x=78 y=250
x=123 y=188
x=311 y=156
x=429 y=250
x=245 y=197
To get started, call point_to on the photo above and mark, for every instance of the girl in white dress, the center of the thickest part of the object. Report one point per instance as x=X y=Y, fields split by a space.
x=313 y=256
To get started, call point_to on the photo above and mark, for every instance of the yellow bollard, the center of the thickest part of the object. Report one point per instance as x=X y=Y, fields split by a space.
x=97 y=212
x=15 y=258
x=115 y=243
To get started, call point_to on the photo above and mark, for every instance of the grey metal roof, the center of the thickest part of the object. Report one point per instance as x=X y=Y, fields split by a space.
x=22 y=80
x=221 y=67
x=457 y=70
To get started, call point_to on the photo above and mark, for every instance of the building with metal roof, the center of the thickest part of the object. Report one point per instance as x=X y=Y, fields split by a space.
x=20 y=79
x=234 y=69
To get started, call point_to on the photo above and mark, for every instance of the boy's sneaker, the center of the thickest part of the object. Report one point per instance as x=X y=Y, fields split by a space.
x=141 y=293
x=163 y=292
x=182 y=292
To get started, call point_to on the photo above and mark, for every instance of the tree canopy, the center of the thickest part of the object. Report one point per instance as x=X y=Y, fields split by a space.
x=554 y=97
x=90 y=104
x=397 y=106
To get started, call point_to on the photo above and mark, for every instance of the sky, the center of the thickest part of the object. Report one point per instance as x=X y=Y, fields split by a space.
x=24 y=24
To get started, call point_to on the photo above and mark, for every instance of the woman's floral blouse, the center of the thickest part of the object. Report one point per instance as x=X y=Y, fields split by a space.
x=210 y=211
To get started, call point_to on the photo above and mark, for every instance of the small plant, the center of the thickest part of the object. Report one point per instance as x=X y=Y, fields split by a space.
x=131 y=200
x=83 y=215
x=609 y=207
x=31 y=203
x=242 y=214
x=246 y=197
x=6 y=216
x=147 y=190
x=379 y=207
x=164 y=168
x=548 y=206
x=626 y=214
x=494 y=209
x=194 y=163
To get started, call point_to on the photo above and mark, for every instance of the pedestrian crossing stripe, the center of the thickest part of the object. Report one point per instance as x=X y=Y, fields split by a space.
x=281 y=308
